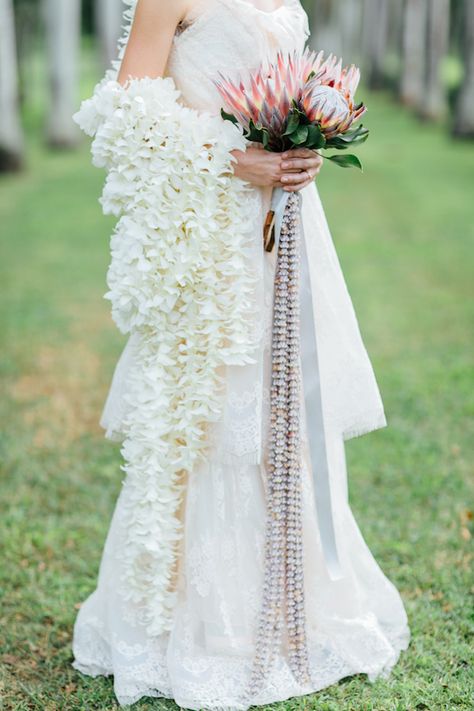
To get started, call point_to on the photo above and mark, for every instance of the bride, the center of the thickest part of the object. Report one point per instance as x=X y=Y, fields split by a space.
x=189 y=604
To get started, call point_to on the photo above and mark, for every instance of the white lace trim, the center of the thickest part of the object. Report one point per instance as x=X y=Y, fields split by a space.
x=143 y=671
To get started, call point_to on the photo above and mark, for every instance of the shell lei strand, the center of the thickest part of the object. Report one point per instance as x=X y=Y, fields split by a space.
x=284 y=545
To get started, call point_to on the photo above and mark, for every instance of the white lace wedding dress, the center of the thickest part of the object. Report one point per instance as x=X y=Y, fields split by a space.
x=354 y=625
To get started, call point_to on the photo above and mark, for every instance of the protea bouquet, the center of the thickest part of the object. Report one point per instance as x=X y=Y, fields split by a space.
x=300 y=100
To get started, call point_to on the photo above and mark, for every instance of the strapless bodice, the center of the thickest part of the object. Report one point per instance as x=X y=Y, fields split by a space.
x=232 y=37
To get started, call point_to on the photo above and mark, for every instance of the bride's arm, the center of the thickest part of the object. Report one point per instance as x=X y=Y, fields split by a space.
x=149 y=44
x=146 y=55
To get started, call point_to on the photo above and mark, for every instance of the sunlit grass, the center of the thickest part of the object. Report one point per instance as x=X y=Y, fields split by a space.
x=404 y=234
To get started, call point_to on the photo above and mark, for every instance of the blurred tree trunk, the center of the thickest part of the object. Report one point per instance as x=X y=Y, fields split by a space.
x=109 y=22
x=63 y=27
x=11 y=135
x=433 y=100
x=27 y=24
x=413 y=51
x=350 y=22
x=336 y=27
x=375 y=24
x=395 y=21
x=464 y=117
x=325 y=32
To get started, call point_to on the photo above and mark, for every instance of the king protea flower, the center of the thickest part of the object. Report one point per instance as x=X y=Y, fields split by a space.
x=328 y=98
x=300 y=100
x=269 y=93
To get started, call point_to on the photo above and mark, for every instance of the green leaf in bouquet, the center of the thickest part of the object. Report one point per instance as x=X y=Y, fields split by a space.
x=228 y=117
x=316 y=138
x=356 y=131
x=337 y=142
x=359 y=140
x=254 y=133
x=346 y=161
x=356 y=136
x=293 y=123
x=352 y=138
x=265 y=137
x=300 y=135
x=355 y=141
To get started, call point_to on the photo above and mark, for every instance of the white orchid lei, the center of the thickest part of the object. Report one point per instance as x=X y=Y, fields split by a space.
x=179 y=280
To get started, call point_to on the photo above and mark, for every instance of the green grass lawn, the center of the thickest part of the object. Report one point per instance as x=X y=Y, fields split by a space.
x=404 y=232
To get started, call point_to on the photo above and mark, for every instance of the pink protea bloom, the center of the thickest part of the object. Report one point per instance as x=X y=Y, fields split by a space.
x=300 y=99
x=345 y=80
x=328 y=98
x=326 y=106
x=266 y=98
x=329 y=108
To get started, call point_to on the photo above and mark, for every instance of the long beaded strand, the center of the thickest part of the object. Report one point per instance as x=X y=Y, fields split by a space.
x=295 y=612
x=283 y=540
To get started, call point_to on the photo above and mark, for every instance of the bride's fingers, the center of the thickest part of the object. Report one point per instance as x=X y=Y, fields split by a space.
x=297 y=178
x=302 y=168
x=302 y=163
x=313 y=170
x=297 y=182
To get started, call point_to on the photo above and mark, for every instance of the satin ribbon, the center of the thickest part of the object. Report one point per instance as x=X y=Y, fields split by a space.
x=312 y=396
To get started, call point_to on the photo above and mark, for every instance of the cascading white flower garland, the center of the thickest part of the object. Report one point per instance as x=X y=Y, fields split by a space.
x=180 y=281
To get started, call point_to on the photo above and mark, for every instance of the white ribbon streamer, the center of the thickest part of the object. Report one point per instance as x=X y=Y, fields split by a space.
x=313 y=399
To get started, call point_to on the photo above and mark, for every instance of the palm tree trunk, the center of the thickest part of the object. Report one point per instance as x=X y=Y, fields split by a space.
x=413 y=51
x=376 y=19
x=433 y=104
x=350 y=22
x=464 y=118
x=325 y=32
x=109 y=21
x=11 y=135
x=63 y=35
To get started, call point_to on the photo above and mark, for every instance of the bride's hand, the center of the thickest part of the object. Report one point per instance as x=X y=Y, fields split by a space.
x=292 y=170
x=299 y=166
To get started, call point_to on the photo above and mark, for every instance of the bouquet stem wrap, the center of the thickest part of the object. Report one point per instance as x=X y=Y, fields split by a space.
x=294 y=358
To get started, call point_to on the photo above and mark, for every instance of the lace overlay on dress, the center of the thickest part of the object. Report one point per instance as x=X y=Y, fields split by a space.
x=355 y=625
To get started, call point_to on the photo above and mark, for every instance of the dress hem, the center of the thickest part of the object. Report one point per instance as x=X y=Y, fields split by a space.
x=398 y=640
